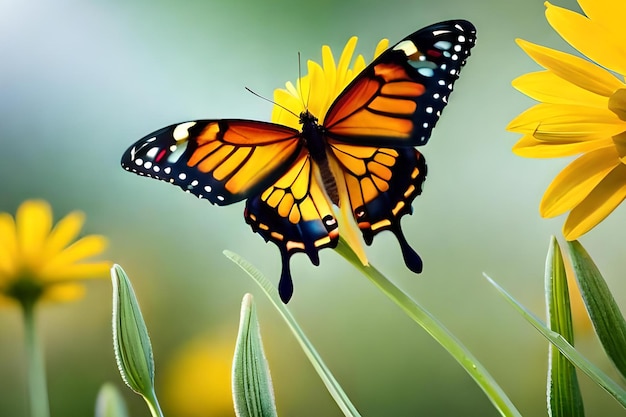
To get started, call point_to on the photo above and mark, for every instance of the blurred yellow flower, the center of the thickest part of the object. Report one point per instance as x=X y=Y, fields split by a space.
x=197 y=379
x=315 y=92
x=583 y=112
x=38 y=261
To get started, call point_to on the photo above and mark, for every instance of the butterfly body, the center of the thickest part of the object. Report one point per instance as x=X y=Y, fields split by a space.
x=360 y=158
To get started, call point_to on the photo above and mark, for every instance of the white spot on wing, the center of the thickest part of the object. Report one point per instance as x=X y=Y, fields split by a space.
x=407 y=47
x=181 y=132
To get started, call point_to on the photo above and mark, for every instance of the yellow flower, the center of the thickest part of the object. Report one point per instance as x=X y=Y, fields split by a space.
x=38 y=261
x=197 y=379
x=315 y=92
x=583 y=112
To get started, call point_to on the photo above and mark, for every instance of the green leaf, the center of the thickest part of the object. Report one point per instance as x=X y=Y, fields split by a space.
x=564 y=397
x=133 y=351
x=605 y=315
x=253 y=395
x=110 y=402
x=436 y=329
x=327 y=377
x=566 y=349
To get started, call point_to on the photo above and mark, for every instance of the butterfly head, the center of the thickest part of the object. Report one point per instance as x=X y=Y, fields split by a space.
x=306 y=118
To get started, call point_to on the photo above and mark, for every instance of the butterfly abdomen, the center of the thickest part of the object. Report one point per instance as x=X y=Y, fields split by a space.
x=317 y=146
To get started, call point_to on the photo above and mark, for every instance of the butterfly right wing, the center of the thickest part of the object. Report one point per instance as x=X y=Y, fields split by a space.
x=224 y=161
x=398 y=98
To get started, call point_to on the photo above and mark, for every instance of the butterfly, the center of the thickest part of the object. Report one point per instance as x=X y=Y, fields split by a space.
x=362 y=153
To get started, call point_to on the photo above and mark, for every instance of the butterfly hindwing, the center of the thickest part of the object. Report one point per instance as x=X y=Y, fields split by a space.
x=398 y=98
x=381 y=184
x=224 y=161
x=296 y=215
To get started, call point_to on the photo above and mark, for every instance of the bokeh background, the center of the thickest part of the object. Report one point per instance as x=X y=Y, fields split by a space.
x=82 y=80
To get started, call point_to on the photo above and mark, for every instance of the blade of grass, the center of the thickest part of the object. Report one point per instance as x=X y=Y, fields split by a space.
x=437 y=330
x=563 y=391
x=566 y=349
x=604 y=313
x=320 y=367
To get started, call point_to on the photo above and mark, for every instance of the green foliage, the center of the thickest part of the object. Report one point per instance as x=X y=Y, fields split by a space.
x=320 y=367
x=253 y=394
x=110 y=402
x=604 y=313
x=564 y=398
x=133 y=350
x=568 y=400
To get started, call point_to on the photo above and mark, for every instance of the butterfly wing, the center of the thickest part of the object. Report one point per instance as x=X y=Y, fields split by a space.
x=398 y=98
x=224 y=161
x=381 y=184
x=296 y=215
x=391 y=106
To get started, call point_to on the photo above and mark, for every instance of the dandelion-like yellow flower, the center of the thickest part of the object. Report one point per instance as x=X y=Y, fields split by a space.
x=583 y=112
x=315 y=92
x=38 y=261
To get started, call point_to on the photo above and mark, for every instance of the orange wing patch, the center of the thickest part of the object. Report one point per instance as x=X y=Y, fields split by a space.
x=240 y=153
x=377 y=104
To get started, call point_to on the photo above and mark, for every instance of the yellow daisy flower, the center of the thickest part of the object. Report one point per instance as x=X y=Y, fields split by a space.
x=582 y=112
x=315 y=92
x=38 y=261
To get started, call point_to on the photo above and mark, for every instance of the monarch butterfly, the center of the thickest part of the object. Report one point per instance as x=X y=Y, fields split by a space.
x=361 y=154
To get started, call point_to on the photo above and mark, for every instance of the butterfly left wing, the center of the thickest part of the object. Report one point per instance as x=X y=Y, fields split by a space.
x=398 y=98
x=224 y=161
x=296 y=215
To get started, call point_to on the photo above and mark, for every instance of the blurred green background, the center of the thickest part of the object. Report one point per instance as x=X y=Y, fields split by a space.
x=82 y=80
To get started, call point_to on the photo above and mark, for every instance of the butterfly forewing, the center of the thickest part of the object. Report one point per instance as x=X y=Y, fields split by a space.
x=398 y=98
x=223 y=161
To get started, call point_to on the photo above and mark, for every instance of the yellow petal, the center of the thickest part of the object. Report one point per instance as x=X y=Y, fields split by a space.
x=589 y=37
x=33 y=221
x=285 y=116
x=63 y=292
x=577 y=180
x=81 y=249
x=78 y=271
x=64 y=233
x=576 y=70
x=319 y=99
x=359 y=65
x=607 y=14
x=529 y=147
x=344 y=63
x=8 y=246
x=547 y=87
x=597 y=205
x=330 y=69
x=381 y=47
x=567 y=123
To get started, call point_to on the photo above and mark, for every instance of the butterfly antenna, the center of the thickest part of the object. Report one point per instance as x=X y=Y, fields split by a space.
x=271 y=101
x=305 y=104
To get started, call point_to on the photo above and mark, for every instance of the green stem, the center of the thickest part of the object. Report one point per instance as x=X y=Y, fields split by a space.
x=437 y=330
x=153 y=405
x=37 y=388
